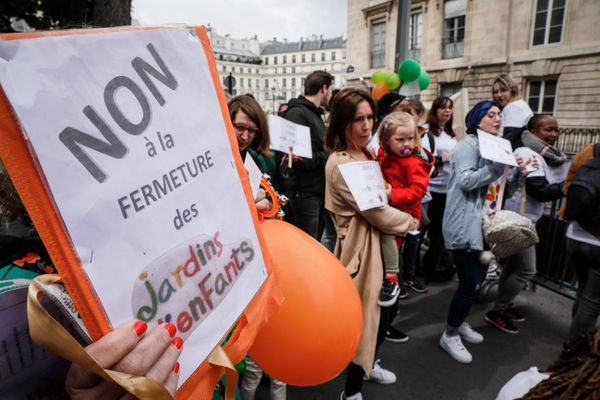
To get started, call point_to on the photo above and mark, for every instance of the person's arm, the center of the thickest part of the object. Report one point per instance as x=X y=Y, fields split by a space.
x=415 y=190
x=319 y=154
x=466 y=167
x=131 y=350
x=385 y=218
x=541 y=190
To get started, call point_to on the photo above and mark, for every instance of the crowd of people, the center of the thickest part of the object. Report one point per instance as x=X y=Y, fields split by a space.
x=435 y=183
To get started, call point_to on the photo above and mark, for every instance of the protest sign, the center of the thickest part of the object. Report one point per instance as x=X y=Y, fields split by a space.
x=289 y=138
x=365 y=181
x=254 y=174
x=145 y=214
x=495 y=148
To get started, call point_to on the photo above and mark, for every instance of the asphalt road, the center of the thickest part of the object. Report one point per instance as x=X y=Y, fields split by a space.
x=426 y=372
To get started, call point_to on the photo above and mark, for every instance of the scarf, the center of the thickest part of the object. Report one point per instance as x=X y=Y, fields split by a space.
x=552 y=155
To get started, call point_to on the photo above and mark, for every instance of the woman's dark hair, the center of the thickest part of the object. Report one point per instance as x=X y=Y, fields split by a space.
x=250 y=107
x=342 y=114
x=432 y=119
x=576 y=373
x=535 y=121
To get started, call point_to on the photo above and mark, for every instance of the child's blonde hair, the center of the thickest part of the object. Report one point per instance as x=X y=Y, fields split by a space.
x=389 y=125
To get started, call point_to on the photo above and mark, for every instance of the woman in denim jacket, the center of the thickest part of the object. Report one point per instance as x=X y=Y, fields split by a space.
x=463 y=221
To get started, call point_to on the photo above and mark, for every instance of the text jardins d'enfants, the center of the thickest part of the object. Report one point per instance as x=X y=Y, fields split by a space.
x=148 y=194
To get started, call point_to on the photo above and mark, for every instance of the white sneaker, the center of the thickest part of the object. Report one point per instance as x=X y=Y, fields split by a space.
x=357 y=396
x=381 y=375
x=468 y=334
x=453 y=346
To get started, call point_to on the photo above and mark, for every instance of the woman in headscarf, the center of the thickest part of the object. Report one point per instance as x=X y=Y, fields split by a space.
x=463 y=220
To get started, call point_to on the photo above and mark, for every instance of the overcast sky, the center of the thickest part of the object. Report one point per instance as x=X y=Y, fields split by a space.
x=246 y=18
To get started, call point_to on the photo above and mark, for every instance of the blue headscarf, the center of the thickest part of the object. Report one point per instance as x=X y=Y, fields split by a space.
x=476 y=114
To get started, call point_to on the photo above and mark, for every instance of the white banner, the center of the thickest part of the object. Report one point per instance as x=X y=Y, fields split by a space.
x=289 y=137
x=131 y=139
x=365 y=181
x=495 y=148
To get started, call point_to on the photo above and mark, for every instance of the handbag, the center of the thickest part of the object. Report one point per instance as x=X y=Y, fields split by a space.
x=507 y=232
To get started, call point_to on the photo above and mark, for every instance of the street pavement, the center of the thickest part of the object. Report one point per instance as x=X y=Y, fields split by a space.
x=426 y=372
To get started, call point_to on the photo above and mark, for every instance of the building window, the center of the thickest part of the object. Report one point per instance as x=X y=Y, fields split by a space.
x=275 y=60
x=257 y=86
x=250 y=83
x=378 y=43
x=285 y=59
x=283 y=82
x=242 y=82
x=344 y=54
x=303 y=58
x=333 y=56
x=323 y=56
x=266 y=83
x=454 y=28
x=293 y=59
x=549 y=18
x=303 y=81
x=542 y=95
x=313 y=57
x=415 y=34
x=448 y=89
x=293 y=82
x=293 y=70
x=266 y=60
x=283 y=70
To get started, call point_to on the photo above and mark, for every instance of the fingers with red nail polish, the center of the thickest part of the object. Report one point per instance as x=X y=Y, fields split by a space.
x=171 y=329
x=140 y=328
x=177 y=342
x=176 y=367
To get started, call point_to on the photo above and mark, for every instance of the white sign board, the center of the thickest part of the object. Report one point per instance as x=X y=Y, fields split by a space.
x=254 y=174
x=495 y=148
x=131 y=139
x=365 y=181
x=289 y=137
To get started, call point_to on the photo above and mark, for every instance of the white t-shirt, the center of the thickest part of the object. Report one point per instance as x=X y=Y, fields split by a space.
x=576 y=232
x=443 y=144
x=515 y=115
x=533 y=208
x=521 y=383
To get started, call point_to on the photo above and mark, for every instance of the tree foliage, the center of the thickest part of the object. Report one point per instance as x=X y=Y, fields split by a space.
x=65 y=14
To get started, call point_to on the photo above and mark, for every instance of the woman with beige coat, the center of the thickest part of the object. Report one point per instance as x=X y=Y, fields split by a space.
x=357 y=246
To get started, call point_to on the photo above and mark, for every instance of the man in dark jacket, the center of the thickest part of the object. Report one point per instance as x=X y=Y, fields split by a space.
x=305 y=185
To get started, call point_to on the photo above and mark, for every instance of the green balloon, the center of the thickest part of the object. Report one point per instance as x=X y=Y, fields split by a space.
x=423 y=79
x=392 y=82
x=379 y=76
x=409 y=71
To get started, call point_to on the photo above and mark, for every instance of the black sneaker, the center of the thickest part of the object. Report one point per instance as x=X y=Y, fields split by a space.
x=404 y=294
x=512 y=314
x=498 y=319
x=396 y=336
x=414 y=283
x=389 y=293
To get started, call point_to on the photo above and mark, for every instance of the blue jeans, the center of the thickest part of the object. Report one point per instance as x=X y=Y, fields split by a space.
x=329 y=236
x=309 y=212
x=470 y=276
x=586 y=308
x=516 y=272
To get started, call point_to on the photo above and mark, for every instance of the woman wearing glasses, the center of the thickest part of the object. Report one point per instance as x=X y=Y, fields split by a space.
x=252 y=131
x=462 y=225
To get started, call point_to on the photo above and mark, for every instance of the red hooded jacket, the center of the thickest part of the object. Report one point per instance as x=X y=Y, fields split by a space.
x=409 y=178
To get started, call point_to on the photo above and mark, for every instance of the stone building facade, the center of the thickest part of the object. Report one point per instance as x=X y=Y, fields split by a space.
x=551 y=47
x=286 y=64
x=274 y=72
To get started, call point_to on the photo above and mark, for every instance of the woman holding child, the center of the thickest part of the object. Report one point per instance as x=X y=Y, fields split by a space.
x=358 y=246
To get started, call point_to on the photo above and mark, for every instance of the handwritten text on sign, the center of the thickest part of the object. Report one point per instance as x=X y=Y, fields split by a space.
x=140 y=166
x=289 y=137
x=365 y=182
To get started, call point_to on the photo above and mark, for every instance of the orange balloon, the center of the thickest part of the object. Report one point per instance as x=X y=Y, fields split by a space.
x=313 y=336
x=379 y=90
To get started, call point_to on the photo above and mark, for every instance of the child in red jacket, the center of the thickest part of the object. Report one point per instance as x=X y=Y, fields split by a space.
x=406 y=166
